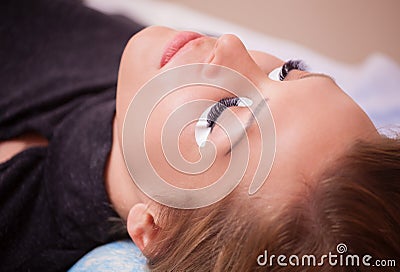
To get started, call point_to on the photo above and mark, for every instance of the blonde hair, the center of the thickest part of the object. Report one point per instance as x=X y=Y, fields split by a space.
x=356 y=201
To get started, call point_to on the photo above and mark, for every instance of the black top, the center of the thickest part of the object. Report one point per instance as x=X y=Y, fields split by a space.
x=58 y=70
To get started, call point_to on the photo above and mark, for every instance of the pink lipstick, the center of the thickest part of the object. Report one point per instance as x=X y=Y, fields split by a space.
x=176 y=44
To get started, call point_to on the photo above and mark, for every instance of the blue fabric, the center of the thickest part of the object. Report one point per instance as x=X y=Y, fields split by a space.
x=121 y=256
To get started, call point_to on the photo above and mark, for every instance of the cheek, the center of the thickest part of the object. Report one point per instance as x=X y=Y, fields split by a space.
x=182 y=141
x=170 y=169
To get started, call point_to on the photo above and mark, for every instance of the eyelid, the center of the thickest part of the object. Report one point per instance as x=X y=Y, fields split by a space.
x=207 y=120
x=280 y=73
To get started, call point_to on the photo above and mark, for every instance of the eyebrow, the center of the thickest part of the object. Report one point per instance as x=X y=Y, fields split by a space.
x=317 y=75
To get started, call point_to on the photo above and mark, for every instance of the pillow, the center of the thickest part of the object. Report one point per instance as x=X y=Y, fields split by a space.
x=121 y=256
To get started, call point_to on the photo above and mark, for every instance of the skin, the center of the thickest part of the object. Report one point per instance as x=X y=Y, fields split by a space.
x=10 y=148
x=315 y=122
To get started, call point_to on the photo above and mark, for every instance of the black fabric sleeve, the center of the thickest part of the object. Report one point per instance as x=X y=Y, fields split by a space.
x=53 y=54
x=54 y=206
x=58 y=69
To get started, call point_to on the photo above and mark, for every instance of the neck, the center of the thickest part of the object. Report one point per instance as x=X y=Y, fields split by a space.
x=121 y=190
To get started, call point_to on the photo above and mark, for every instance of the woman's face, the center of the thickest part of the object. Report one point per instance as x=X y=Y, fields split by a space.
x=315 y=121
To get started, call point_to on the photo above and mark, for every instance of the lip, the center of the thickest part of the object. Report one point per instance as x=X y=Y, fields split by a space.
x=179 y=41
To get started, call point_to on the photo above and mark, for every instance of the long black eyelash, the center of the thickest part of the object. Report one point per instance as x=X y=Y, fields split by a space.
x=290 y=65
x=219 y=107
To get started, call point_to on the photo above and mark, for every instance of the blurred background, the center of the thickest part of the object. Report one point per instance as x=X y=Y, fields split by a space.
x=344 y=30
x=355 y=41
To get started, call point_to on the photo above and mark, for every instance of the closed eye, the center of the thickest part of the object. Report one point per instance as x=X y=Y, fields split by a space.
x=279 y=74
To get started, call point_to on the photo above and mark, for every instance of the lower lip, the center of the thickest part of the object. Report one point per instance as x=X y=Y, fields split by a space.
x=176 y=44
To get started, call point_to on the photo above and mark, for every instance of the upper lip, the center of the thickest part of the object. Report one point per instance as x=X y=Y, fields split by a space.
x=179 y=41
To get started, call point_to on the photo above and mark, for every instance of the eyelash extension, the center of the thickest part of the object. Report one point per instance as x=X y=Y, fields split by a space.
x=219 y=107
x=291 y=65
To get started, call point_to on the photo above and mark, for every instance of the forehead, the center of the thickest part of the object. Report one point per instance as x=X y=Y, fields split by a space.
x=315 y=124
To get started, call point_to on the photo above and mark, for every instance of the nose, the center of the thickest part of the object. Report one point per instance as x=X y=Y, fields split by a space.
x=229 y=51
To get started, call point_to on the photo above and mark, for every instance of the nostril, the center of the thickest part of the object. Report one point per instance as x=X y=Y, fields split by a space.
x=227 y=48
